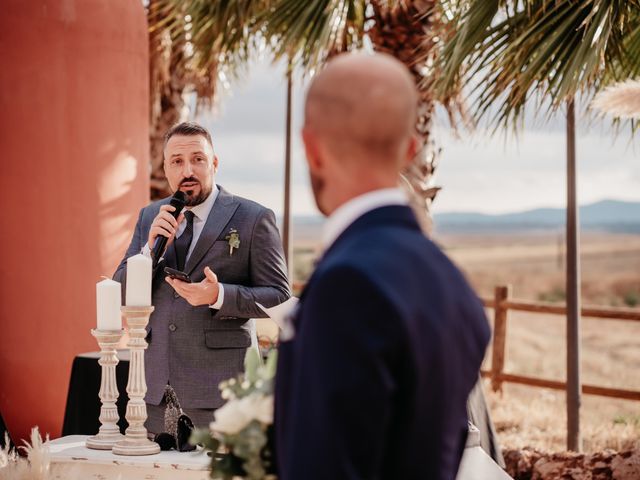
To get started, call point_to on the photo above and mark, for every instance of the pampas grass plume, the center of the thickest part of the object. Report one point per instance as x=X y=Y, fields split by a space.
x=620 y=100
x=34 y=467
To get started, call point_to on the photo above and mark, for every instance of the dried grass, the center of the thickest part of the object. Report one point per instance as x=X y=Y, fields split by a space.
x=620 y=100
x=36 y=464
x=534 y=417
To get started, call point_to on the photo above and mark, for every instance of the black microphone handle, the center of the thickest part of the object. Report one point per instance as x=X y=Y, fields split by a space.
x=158 y=249
x=160 y=243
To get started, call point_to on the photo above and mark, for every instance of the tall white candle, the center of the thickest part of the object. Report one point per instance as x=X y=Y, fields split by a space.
x=138 y=281
x=108 y=302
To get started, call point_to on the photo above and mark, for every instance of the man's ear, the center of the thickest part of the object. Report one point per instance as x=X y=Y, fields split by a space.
x=412 y=149
x=311 y=149
x=215 y=163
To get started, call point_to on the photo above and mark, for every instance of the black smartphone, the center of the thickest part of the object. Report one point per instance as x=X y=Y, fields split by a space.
x=177 y=274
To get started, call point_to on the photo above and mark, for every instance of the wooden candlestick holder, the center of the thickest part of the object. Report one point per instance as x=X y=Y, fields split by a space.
x=135 y=441
x=109 y=432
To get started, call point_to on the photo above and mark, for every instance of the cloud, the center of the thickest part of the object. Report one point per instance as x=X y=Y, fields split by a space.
x=478 y=172
x=495 y=175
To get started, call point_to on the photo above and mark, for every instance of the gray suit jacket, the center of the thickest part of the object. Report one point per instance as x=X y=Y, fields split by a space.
x=195 y=348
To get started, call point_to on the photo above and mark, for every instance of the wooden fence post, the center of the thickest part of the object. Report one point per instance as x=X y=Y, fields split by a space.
x=502 y=294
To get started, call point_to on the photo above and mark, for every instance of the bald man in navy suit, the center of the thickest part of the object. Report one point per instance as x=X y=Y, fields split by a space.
x=388 y=337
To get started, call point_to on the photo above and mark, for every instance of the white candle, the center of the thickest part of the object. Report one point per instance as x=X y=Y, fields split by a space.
x=139 y=281
x=108 y=302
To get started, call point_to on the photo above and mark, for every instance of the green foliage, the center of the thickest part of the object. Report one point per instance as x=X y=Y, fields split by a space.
x=556 y=49
x=632 y=298
x=304 y=31
x=219 y=31
x=309 y=31
x=557 y=294
x=626 y=420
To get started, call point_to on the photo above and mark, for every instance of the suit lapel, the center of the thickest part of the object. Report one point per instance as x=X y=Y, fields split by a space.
x=222 y=211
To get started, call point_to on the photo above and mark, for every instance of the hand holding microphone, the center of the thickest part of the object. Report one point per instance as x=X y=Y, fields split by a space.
x=165 y=225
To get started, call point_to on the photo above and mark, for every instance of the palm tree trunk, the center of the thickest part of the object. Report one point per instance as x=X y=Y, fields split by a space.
x=172 y=105
x=418 y=182
x=168 y=81
x=402 y=31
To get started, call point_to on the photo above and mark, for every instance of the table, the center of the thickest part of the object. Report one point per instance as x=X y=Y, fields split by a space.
x=83 y=403
x=71 y=460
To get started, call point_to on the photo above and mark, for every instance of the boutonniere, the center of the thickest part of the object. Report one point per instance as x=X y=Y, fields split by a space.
x=233 y=239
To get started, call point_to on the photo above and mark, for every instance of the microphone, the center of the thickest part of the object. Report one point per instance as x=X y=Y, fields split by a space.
x=178 y=201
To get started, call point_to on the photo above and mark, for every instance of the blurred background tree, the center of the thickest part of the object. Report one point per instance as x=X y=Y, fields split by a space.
x=193 y=43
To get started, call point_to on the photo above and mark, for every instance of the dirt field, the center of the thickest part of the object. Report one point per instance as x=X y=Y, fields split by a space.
x=533 y=264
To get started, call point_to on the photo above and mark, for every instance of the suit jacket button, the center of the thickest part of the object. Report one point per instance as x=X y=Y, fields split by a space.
x=172 y=327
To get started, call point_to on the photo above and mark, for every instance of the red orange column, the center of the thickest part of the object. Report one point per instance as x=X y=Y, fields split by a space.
x=73 y=176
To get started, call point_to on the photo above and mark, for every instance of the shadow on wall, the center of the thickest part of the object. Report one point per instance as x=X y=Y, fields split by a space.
x=121 y=198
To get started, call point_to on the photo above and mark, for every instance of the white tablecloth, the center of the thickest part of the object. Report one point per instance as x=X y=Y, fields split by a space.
x=71 y=460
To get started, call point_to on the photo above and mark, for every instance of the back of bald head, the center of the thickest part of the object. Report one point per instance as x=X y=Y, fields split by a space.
x=363 y=107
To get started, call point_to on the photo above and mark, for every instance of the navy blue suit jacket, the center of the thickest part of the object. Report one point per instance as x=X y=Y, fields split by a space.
x=388 y=343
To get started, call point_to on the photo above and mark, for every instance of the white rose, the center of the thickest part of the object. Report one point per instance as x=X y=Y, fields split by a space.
x=236 y=414
x=262 y=408
x=230 y=418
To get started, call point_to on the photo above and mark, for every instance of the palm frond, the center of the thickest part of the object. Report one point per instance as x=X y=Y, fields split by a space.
x=311 y=31
x=556 y=48
x=211 y=37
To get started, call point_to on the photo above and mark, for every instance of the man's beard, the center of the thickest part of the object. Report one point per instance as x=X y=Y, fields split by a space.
x=193 y=200
x=317 y=185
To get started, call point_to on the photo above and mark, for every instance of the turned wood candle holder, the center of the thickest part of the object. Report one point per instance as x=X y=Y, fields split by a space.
x=135 y=441
x=109 y=433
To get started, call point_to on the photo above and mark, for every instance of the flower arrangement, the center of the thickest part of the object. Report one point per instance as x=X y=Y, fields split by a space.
x=238 y=440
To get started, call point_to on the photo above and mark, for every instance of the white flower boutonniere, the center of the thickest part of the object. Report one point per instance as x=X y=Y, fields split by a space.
x=233 y=239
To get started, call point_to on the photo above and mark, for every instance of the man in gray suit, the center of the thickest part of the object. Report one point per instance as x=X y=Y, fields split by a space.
x=230 y=247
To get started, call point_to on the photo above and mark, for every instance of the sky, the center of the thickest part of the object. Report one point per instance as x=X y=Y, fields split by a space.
x=478 y=172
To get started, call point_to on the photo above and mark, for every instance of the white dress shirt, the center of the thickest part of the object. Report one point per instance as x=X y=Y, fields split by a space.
x=200 y=215
x=350 y=211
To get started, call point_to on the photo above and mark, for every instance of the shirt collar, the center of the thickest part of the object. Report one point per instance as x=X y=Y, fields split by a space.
x=201 y=211
x=350 y=211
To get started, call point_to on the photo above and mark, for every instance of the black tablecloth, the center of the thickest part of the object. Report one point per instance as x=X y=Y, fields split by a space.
x=81 y=416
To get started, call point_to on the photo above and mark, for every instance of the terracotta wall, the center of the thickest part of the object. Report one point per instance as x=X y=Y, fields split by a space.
x=73 y=176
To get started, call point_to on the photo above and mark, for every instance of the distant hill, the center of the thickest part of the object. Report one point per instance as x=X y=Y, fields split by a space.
x=606 y=215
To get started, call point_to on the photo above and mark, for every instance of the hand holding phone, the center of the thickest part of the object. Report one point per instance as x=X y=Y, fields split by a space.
x=177 y=274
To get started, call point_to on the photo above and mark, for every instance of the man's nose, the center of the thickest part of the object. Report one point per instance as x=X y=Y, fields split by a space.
x=187 y=169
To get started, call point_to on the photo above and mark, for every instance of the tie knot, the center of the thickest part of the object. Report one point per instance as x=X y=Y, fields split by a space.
x=188 y=214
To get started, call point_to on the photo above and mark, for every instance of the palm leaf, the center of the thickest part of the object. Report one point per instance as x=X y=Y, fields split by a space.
x=557 y=49
x=309 y=32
